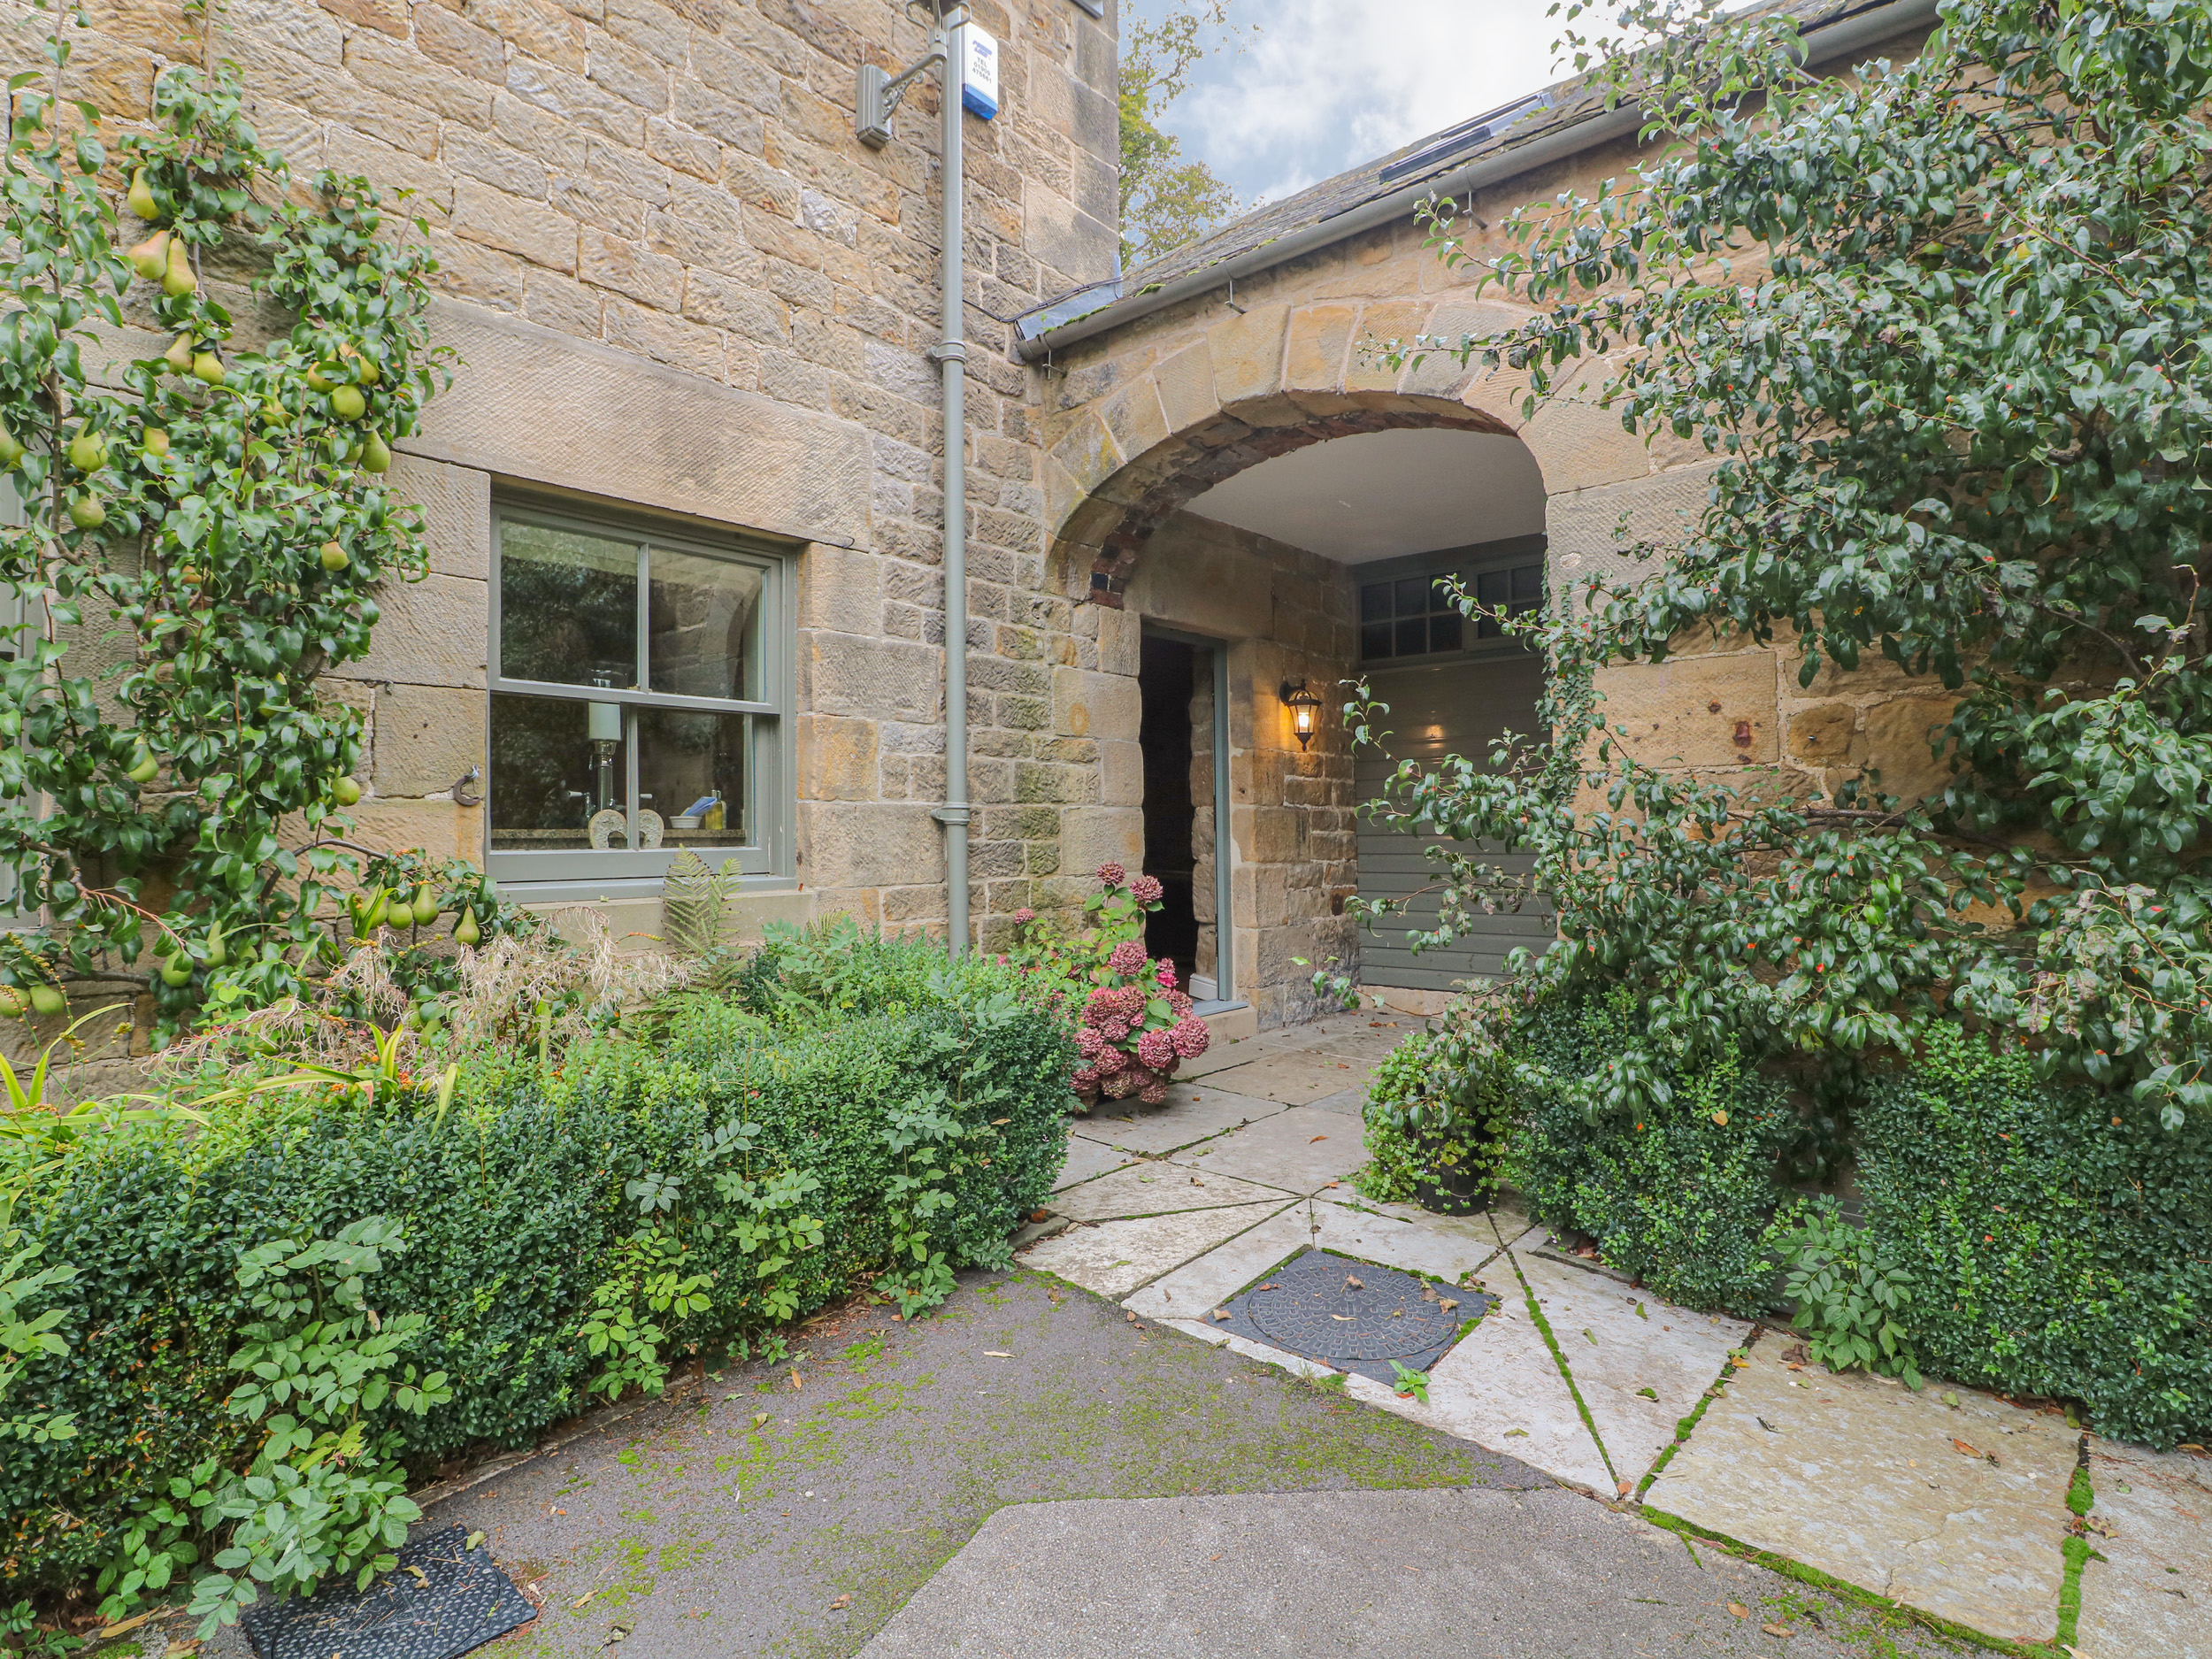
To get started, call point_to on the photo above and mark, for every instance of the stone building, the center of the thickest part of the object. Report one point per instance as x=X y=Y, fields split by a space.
x=685 y=493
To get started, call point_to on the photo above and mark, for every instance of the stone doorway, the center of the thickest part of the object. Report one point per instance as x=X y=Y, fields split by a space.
x=1177 y=737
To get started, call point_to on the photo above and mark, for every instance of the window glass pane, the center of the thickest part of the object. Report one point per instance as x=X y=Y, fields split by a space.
x=1413 y=637
x=1528 y=587
x=1486 y=628
x=704 y=621
x=1493 y=588
x=693 y=770
x=556 y=767
x=1446 y=632
x=1374 y=641
x=1374 y=603
x=1413 y=596
x=1440 y=595
x=567 y=607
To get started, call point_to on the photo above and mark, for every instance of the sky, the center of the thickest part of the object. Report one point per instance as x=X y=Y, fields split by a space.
x=1327 y=84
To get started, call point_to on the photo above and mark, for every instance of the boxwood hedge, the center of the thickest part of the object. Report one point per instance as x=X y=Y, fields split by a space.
x=927 y=1102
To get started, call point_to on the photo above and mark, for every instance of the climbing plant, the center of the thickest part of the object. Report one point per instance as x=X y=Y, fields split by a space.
x=1943 y=323
x=215 y=515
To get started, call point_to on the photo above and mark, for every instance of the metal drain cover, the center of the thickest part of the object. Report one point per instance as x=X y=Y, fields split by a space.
x=1311 y=1307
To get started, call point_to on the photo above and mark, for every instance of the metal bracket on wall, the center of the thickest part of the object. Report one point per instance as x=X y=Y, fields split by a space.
x=461 y=796
x=952 y=815
x=879 y=94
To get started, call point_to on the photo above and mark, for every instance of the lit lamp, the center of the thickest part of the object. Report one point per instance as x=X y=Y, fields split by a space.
x=1305 y=709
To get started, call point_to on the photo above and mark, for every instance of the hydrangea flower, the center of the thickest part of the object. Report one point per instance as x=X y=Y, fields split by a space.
x=1112 y=873
x=1121 y=1085
x=1178 y=1003
x=1115 y=1030
x=1190 y=1036
x=1088 y=1041
x=1084 y=1077
x=1146 y=889
x=1156 y=1050
x=1127 y=958
x=1110 y=1062
x=1165 y=975
x=1024 y=917
x=1153 y=1094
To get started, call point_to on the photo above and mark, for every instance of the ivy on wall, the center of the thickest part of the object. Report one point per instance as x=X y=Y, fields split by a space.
x=221 y=509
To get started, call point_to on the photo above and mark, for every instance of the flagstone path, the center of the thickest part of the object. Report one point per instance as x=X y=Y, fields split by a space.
x=1949 y=1501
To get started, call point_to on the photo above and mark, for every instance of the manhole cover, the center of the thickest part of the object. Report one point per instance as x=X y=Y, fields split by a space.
x=1354 y=1316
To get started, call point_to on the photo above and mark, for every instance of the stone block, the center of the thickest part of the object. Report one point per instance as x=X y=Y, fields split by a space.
x=840 y=588
x=869 y=844
x=1897 y=742
x=439 y=827
x=1094 y=836
x=1594 y=532
x=1825 y=734
x=1120 y=774
x=1319 y=337
x=1133 y=416
x=611 y=261
x=428 y=738
x=882 y=679
x=456 y=511
x=514 y=224
x=837 y=758
x=1399 y=321
x=1087 y=704
x=1248 y=354
x=432 y=633
x=1696 y=711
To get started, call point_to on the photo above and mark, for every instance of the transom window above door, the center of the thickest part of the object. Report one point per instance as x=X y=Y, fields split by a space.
x=1414 y=615
x=638 y=701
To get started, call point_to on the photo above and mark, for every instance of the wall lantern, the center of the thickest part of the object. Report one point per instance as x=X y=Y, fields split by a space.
x=1305 y=709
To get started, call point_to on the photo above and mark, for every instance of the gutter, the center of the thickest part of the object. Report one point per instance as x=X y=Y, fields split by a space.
x=1823 y=43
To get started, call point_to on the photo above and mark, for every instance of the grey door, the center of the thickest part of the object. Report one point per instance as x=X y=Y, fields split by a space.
x=1449 y=708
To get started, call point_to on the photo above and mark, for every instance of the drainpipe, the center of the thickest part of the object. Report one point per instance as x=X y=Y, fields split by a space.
x=951 y=353
x=878 y=100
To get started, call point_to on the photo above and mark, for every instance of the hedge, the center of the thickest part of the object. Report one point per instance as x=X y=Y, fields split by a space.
x=928 y=1104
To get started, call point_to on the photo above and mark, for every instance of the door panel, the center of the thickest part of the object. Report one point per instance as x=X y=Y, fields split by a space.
x=1459 y=708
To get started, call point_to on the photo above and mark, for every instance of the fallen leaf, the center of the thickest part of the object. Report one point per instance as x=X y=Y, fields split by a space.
x=1318 y=1138
x=845 y=1600
x=759 y=1417
x=1221 y=1313
x=797 y=1381
x=1768 y=1426
x=1397 y=1313
x=551 y=1510
x=420 y=1575
x=1448 y=1304
x=475 y=1540
x=1594 y=1341
x=1215 y=1557
x=1346 y=1317
x=1640 y=1314
x=1777 y=1630
x=1510 y=1433
x=1740 y=1609
x=582 y=1599
x=1626 y=1488
x=1352 y=1283
x=1962 y=1449
x=1738 y=1362
x=1428 y=1292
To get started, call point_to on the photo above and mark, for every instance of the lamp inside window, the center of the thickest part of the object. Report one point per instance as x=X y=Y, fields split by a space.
x=1305 y=710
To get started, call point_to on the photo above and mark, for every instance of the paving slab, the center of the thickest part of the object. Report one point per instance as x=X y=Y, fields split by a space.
x=1480 y=1574
x=1482 y=1224
x=1189 y=1117
x=1207 y=1281
x=2147 y=1593
x=1618 y=1344
x=1292 y=1078
x=1156 y=1188
x=1298 y=1149
x=1885 y=1488
x=1220 y=1057
x=1501 y=1388
x=1351 y=1103
x=1113 y=1258
x=1087 y=1159
x=1207 y=1331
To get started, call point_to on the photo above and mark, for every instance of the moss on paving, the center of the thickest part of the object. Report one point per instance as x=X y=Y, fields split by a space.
x=910 y=1437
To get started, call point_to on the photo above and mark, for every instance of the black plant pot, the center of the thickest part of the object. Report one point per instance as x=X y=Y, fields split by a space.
x=1453 y=1191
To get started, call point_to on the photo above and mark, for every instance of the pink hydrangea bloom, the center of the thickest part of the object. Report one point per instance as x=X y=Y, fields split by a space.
x=1156 y=1049
x=1084 y=1077
x=1153 y=1093
x=1024 y=917
x=1164 y=976
x=1146 y=889
x=1112 y=874
x=1178 y=1002
x=1114 y=1030
x=1127 y=958
x=1101 y=1005
x=1109 y=1061
x=1190 y=1036
x=1088 y=1043
x=1121 y=1085
x=1131 y=1003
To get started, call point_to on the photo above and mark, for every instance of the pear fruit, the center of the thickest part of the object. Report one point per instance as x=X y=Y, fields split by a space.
x=177 y=970
x=157 y=441
x=150 y=257
x=345 y=790
x=208 y=367
x=88 y=451
x=11 y=452
x=335 y=557
x=145 y=766
x=376 y=455
x=178 y=356
x=317 y=382
x=424 y=907
x=218 y=952
x=48 y=999
x=13 y=1002
x=178 y=280
x=466 y=931
x=88 y=512
x=347 y=402
x=141 y=198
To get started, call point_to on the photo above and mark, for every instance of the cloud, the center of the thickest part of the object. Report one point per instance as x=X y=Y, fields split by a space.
x=1327 y=84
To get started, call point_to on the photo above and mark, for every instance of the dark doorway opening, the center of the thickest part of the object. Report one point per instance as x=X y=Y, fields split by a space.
x=1166 y=679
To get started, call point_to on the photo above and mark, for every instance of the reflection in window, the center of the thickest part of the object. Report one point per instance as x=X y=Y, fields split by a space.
x=567 y=607
x=1413 y=616
x=692 y=768
x=556 y=767
x=704 y=616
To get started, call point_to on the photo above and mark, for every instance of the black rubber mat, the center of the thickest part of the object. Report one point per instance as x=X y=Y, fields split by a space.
x=1351 y=1315
x=443 y=1600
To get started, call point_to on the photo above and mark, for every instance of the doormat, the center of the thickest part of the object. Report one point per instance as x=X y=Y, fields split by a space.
x=1353 y=1315
x=443 y=1600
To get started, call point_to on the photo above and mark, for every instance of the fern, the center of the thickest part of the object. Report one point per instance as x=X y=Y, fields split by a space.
x=696 y=918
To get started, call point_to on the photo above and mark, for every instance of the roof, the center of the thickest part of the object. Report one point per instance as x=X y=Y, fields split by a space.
x=1417 y=168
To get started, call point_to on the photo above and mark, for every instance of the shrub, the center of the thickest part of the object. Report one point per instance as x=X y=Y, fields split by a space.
x=1677 y=1196
x=2061 y=1239
x=1439 y=1109
x=1849 y=1291
x=875 y=1113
